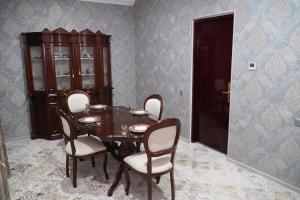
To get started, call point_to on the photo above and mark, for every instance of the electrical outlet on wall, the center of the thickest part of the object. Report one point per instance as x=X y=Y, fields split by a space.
x=252 y=66
x=297 y=122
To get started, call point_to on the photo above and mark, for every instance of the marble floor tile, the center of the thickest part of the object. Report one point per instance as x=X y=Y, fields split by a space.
x=38 y=172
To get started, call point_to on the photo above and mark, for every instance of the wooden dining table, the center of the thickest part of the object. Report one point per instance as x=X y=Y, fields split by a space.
x=108 y=129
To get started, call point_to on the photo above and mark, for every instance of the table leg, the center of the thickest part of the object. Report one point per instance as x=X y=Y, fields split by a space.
x=117 y=179
x=126 y=148
x=112 y=148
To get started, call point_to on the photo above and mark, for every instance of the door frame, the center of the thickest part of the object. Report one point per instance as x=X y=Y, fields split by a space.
x=230 y=12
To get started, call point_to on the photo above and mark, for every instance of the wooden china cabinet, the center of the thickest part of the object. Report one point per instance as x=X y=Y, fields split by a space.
x=58 y=62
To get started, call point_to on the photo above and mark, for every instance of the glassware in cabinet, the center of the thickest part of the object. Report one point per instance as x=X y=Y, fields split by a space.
x=62 y=67
x=37 y=68
x=87 y=66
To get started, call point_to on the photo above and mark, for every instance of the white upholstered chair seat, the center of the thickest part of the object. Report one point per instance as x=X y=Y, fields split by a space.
x=139 y=161
x=85 y=146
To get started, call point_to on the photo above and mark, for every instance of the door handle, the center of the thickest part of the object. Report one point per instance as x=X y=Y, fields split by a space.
x=227 y=92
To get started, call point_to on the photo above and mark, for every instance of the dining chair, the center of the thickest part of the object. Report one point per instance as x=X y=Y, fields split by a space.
x=77 y=101
x=79 y=147
x=154 y=105
x=160 y=142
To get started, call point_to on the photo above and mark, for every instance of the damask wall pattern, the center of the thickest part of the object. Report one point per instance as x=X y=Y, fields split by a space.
x=152 y=52
x=264 y=102
x=35 y=15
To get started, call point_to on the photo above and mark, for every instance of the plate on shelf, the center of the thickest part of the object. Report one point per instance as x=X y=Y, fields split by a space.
x=139 y=112
x=86 y=55
x=88 y=120
x=98 y=106
x=138 y=128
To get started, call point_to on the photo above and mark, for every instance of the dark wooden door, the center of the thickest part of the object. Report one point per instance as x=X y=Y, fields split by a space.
x=211 y=81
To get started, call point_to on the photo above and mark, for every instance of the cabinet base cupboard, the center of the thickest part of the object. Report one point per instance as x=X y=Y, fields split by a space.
x=57 y=62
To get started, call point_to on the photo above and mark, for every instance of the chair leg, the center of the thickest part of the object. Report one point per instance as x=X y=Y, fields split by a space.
x=157 y=179
x=93 y=161
x=104 y=165
x=127 y=178
x=149 y=182
x=172 y=184
x=74 y=172
x=67 y=166
x=138 y=147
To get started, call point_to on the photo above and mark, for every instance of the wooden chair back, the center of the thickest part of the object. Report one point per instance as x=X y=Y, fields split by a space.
x=77 y=101
x=68 y=128
x=154 y=105
x=162 y=138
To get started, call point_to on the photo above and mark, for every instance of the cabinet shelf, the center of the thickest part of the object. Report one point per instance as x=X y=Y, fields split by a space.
x=62 y=76
x=61 y=59
x=87 y=58
x=88 y=74
x=37 y=59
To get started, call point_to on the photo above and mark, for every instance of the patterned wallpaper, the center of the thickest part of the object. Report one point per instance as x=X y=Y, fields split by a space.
x=151 y=53
x=35 y=15
x=264 y=102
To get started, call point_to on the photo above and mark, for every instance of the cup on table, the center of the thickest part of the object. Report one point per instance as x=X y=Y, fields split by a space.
x=87 y=107
x=124 y=129
x=117 y=106
x=130 y=108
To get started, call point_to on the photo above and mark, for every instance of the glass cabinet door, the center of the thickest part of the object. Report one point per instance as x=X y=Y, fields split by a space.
x=62 y=67
x=37 y=68
x=87 y=66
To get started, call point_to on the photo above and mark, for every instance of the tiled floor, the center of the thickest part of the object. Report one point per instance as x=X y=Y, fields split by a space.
x=38 y=172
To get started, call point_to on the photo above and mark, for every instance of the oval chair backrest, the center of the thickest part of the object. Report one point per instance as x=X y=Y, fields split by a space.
x=153 y=104
x=162 y=139
x=66 y=126
x=77 y=102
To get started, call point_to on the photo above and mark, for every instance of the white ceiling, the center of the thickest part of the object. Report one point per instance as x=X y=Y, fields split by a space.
x=119 y=2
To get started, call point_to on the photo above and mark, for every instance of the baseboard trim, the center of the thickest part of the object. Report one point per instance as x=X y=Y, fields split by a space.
x=184 y=139
x=10 y=139
x=272 y=178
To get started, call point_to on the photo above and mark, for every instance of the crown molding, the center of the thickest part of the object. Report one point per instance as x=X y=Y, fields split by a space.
x=118 y=2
